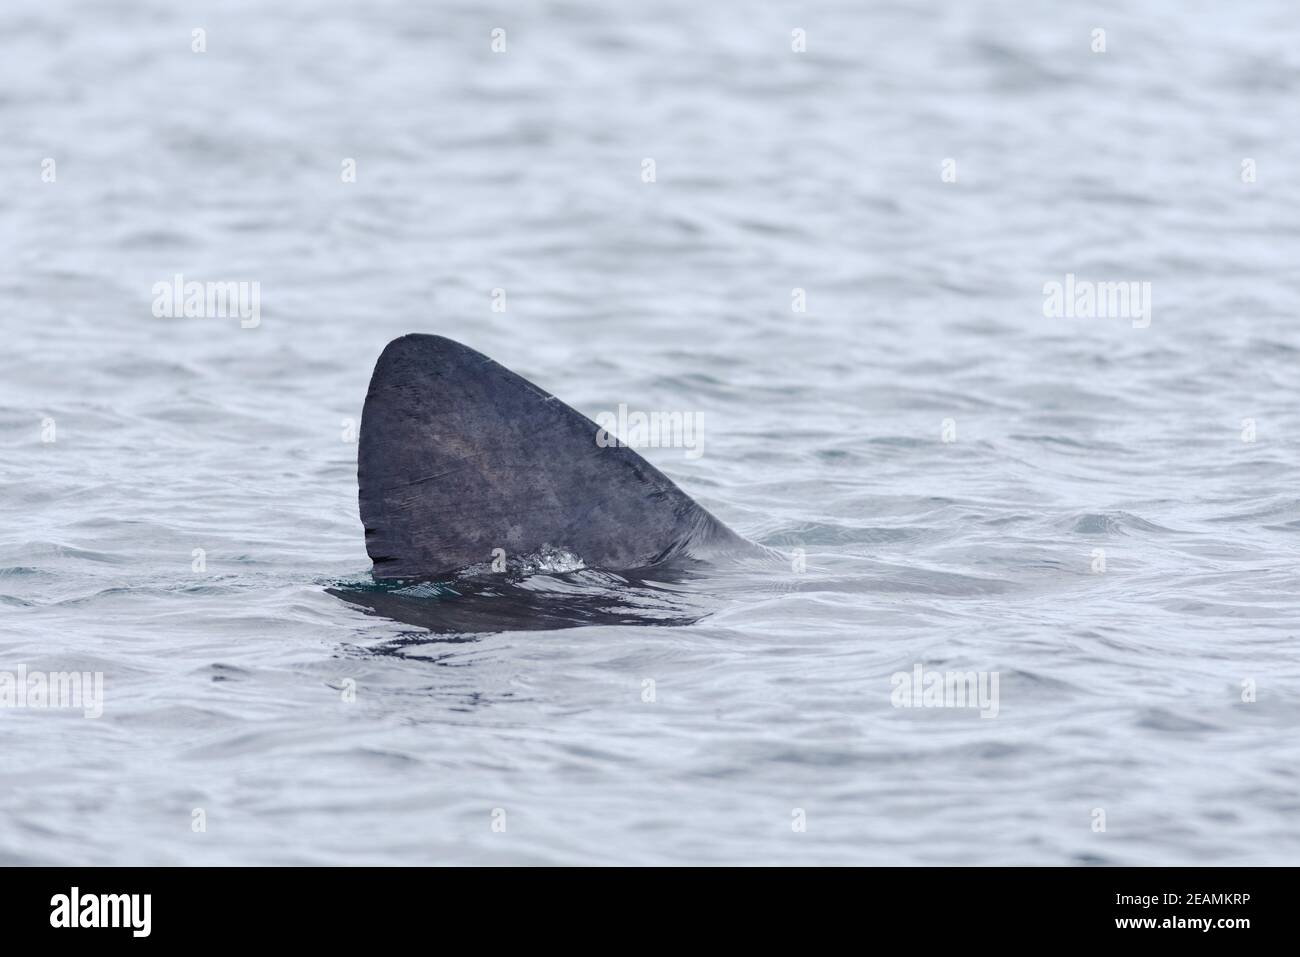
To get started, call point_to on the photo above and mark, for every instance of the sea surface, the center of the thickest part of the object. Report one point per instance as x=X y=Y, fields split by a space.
x=1102 y=512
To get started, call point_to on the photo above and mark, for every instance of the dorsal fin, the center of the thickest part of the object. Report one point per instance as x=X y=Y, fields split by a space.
x=459 y=456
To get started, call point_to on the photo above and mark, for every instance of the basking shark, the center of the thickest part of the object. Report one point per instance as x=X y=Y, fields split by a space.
x=466 y=470
x=461 y=461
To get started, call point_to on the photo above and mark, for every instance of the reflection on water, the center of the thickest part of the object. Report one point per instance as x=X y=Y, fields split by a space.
x=489 y=603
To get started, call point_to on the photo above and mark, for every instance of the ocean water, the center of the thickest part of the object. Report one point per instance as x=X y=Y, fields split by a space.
x=1102 y=512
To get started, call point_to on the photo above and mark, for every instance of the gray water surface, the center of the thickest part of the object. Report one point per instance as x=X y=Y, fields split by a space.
x=1108 y=519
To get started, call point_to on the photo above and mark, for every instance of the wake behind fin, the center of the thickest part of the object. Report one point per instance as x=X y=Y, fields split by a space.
x=459 y=456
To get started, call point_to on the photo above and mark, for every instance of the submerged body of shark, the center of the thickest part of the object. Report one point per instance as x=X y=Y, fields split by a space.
x=464 y=465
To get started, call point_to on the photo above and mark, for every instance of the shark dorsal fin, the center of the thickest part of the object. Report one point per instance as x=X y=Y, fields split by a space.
x=459 y=457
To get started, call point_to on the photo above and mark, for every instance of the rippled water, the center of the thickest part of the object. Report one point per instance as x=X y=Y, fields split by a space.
x=228 y=689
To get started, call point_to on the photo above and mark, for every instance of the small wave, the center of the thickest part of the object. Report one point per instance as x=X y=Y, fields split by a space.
x=1111 y=523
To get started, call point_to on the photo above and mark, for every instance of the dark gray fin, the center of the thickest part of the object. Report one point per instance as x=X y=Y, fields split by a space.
x=459 y=456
